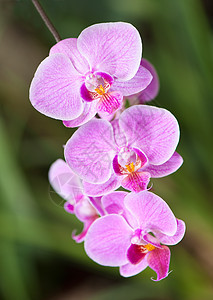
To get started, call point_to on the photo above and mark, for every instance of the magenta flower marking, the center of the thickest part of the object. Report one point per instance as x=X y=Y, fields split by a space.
x=69 y=187
x=128 y=152
x=134 y=234
x=91 y=74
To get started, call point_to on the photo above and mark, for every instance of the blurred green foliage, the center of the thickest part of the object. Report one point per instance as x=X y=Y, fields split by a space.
x=38 y=259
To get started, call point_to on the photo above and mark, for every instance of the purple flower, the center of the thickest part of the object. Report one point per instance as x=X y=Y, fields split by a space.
x=129 y=151
x=134 y=234
x=69 y=187
x=91 y=74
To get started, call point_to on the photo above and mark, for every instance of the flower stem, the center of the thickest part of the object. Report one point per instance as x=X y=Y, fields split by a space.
x=46 y=20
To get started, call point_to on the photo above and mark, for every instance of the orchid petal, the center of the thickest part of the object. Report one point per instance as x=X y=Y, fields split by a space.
x=134 y=254
x=96 y=203
x=158 y=260
x=136 y=181
x=176 y=238
x=112 y=184
x=119 y=135
x=89 y=151
x=55 y=88
x=87 y=95
x=113 y=203
x=114 y=48
x=105 y=116
x=109 y=103
x=69 y=48
x=141 y=156
x=138 y=83
x=84 y=211
x=108 y=240
x=151 y=240
x=131 y=270
x=80 y=237
x=69 y=207
x=118 y=169
x=65 y=182
x=151 y=91
x=152 y=212
x=169 y=167
x=88 y=113
x=153 y=130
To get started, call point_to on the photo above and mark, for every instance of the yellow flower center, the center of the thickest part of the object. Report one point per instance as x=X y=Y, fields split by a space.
x=130 y=167
x=149 y=247
x=100 y=90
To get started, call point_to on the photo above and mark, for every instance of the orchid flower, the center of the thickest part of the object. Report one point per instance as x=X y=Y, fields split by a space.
x=69 y=187
x=129 y=151
x=134 y=234
x=90 y=74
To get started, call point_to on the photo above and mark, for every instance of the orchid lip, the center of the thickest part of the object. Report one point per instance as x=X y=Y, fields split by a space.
x=109 y=102
x=137 y=252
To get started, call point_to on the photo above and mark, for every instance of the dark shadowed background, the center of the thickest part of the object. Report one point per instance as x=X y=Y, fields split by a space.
x=38 y=258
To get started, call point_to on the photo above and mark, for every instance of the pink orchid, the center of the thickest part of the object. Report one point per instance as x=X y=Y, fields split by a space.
x=129 y=151
x=90 y=74
x=135 y=233
x=69 y=187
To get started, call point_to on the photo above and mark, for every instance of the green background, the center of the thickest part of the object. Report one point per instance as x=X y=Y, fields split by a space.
x=38 y=258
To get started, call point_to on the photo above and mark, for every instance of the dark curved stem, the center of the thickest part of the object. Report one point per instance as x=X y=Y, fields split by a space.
x=46 y=20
